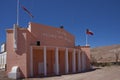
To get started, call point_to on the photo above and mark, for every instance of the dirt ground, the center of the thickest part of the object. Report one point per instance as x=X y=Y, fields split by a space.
x=103 y=73
x=3 y=75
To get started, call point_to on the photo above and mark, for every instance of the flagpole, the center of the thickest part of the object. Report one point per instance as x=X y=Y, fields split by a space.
x=15 y=27
x=86 y=39
x=17 y=12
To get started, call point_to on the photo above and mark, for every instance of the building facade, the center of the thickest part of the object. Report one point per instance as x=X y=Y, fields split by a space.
x=41 y=50
x=3 y=54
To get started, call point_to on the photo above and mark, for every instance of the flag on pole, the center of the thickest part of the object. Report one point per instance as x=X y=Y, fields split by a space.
x=89 y=32
x=25 y=9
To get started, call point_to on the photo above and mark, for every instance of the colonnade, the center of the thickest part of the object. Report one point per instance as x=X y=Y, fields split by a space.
x=81 y=63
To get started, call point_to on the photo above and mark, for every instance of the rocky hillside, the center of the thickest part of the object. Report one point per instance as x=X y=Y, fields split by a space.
x=106 y=53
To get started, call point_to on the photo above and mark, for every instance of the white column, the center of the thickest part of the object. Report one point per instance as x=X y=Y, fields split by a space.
x=73 y=61
x=56 y=62
x=2 y=60
x=5 y=59
x=79 y=61
x=31 y=61
x=66 y=61
x=45 y=64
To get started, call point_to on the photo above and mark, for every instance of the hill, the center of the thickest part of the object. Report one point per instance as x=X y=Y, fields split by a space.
x=106 y=53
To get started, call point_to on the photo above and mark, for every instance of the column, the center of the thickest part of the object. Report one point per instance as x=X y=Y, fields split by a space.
x=56 y=62
x=74 y=61
x=3 y=60
x=66 y=61
x=0 y=61
x=31 y=61
x=45 y=64
x=79 y=61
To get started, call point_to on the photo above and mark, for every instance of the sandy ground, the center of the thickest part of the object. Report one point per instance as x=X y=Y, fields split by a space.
x=104 y=73
x=3 y=75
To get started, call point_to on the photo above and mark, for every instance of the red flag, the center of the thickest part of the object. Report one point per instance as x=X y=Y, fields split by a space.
x=27 y=11
x=89 y=32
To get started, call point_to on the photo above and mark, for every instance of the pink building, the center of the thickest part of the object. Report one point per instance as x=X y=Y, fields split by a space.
x=41 y=50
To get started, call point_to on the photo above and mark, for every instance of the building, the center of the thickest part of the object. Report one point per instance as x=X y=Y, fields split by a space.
x=3 y=47
x=41 y=50
x=3 y=56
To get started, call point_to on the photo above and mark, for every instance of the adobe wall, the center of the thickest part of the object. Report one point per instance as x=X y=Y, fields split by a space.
x=17 y=57
x=31 y=40
x=86 y=50
x=51 y=36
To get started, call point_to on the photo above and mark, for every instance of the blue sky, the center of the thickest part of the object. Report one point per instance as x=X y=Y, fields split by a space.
x=100 y=16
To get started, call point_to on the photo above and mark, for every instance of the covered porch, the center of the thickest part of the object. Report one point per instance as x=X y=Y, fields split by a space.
x=51 y=60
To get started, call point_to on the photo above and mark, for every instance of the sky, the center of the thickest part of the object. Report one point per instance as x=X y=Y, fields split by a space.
x=102 y=17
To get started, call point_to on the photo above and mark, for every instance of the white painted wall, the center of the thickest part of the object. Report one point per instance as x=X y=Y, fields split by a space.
x=3 y=60
x=3 y=48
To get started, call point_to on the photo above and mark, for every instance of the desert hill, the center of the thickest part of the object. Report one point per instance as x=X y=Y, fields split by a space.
x=105 y=53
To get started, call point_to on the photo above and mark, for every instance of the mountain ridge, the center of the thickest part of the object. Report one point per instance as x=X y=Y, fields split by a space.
x=106 y=53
